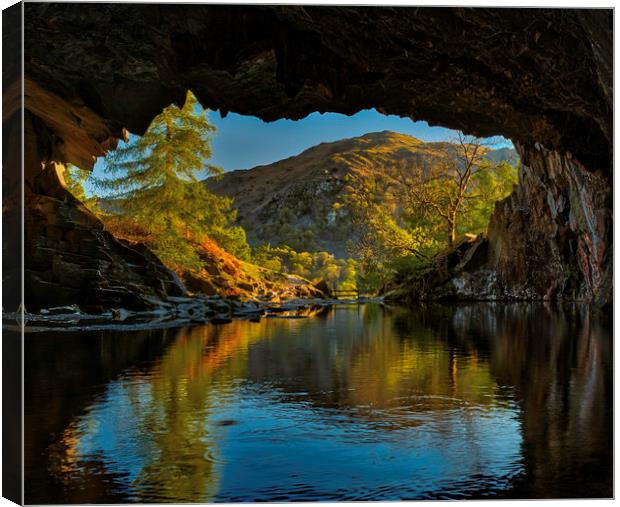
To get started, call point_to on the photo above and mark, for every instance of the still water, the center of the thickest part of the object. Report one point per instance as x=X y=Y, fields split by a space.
x=357 y=403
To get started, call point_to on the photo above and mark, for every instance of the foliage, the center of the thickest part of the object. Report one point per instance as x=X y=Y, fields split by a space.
x=397 y=219
x=314 y=266
x=403 y=219
x=453 y=195
x=492 y=184
x=75 y=178
x=154 y=183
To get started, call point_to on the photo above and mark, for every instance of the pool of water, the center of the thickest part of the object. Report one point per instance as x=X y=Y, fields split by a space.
x=362 y=402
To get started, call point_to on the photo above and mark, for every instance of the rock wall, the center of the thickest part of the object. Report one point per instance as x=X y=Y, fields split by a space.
x=552 y=237
x=70 y=257
x=542 y=77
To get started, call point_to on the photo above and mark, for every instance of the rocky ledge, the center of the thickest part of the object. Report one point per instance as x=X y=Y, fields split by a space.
x=171 y=312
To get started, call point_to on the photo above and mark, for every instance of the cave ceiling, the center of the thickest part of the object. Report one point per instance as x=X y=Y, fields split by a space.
x=533 y=75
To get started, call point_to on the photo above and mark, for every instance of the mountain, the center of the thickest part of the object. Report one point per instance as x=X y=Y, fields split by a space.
x=292 y=201
x=503 y=155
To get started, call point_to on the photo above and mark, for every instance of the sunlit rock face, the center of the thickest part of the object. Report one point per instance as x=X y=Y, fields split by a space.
x=541 y=77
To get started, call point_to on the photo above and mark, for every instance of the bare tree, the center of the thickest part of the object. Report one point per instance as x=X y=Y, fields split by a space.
x=443 y=187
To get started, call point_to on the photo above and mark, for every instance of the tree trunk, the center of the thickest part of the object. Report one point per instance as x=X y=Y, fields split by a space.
x=451 y=231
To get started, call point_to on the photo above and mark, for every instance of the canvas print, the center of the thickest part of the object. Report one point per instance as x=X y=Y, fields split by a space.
x=286 y=253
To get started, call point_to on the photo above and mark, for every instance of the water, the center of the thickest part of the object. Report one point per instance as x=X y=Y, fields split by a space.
x=358 y=403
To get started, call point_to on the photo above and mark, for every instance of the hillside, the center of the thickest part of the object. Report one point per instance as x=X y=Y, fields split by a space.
x=292 y=201
x=221 y=273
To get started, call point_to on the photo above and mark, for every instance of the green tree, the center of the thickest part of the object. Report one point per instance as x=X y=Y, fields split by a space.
x=492 y=184
x=381 y=234
x=457 y=193
x=314 y=266
x=74 y=179
x=154 y=183
x=402 y=219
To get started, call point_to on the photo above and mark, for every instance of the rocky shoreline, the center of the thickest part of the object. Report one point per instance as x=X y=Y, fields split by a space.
x=171 y=312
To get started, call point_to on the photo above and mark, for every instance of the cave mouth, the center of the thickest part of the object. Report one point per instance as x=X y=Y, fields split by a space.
x=550 y=239
x=292 y=188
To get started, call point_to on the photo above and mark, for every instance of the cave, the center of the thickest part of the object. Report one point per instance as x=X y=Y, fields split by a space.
x=540 y=77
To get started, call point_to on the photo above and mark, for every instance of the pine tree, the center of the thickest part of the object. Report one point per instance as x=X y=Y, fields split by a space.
x=154 y=183
x=74 y=179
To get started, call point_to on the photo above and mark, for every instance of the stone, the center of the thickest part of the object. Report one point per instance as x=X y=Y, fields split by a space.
x=120 y=314
x=274 y=316
x=538 y=247
x=323 y=289
x=61 y=310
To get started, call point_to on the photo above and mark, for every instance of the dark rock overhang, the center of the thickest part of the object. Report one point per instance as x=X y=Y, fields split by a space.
x=533 y=75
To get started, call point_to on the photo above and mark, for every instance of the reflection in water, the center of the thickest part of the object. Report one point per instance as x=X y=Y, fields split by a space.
x=363 y=402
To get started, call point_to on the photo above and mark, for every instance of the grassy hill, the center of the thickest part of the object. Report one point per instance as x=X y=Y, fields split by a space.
x=292 y=201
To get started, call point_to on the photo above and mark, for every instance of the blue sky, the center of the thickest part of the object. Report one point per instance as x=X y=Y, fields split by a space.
x=243 y=142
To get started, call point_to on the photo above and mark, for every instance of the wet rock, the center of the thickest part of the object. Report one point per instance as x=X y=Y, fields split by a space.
x=183 y=312
x=181 y=299
x=323 y=289
x=248 y=310
x=120 y=314
x=200 y=285
x=247 y=287
x=198 y=320
x=221 y=306
x=275 y=316
x=61 y=310
x=283 y=308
